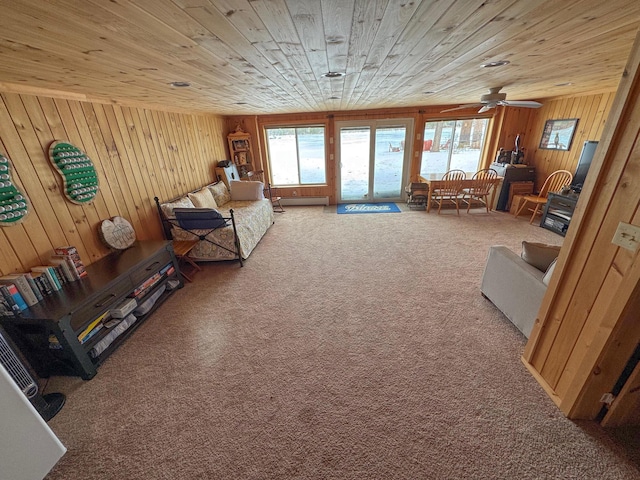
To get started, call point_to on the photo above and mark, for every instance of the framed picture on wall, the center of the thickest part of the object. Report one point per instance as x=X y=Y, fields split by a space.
x=558 y=134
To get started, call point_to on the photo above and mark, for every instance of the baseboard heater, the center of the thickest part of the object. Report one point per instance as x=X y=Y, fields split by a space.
x=305 y=201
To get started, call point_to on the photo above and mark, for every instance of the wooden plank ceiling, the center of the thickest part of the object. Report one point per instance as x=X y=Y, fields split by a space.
x=269 y=56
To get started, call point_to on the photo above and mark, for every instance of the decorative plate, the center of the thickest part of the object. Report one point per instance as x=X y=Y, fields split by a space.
x=117 y=233
x=14 y=205
x=77 y=171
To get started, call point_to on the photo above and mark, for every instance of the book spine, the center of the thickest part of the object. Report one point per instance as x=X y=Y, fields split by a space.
x=72 y=268
x=43 y=284
x=72 y=252
x=5 y=309
x=25 y=290
x=66 y=250
x=15 y=294
x=92 y=326
x=53 y=278
x=61 y=261
x=8 y=298
x=45 y=270
x=34 y=287
x=62 y=279
x=23 y=287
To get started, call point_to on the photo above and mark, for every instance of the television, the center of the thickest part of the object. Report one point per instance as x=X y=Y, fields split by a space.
x=588 y=150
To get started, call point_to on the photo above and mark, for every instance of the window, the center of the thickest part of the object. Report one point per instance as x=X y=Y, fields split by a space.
x=453 y=144
x=296 y=155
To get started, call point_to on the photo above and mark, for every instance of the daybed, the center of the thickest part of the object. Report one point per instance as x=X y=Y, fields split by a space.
x=227 y=225
x=516 y=284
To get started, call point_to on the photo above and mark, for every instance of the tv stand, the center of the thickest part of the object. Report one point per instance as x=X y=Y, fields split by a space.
x=558 y=212
x=48 y=332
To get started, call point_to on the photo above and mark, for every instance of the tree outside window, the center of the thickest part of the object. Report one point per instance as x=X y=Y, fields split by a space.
x=452 y=144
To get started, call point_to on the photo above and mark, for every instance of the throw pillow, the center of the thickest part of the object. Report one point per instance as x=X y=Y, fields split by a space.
x=547 y=275
x=220 y=193
x=203 y=198
x=540 y=255
x=167 y=208
x=241 y=190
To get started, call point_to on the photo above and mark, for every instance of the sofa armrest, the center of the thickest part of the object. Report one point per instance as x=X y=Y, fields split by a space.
x=514 y=286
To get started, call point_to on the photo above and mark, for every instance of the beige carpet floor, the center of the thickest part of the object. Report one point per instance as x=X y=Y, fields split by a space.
x=348 y=347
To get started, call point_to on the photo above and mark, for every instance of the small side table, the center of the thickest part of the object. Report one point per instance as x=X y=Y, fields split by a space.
x=182 y=248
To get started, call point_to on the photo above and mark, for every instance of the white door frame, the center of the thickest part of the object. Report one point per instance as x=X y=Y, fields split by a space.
x=407 y=123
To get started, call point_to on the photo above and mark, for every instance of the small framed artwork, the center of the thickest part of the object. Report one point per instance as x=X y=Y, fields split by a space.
x=558 y=134
x=240 y=145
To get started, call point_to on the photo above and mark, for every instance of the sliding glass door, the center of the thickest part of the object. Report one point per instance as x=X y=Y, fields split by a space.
x=372 y=159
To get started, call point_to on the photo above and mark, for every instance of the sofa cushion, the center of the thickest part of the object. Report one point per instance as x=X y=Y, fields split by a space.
x=247 y=190
x=203 y=198
x=540 y=255
x=167 y=208
x=220 y=193
x=547 y=275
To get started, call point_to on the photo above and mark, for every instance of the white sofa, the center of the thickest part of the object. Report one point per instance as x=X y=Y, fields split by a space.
x=252 y=216
x=516 y=284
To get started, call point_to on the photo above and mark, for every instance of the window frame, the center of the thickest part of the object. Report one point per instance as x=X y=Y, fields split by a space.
x=296 y=125
x=485 y=141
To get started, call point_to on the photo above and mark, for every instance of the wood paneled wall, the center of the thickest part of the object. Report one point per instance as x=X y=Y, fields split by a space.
x=138 y=154
x=255 y=125
x=592 y=112
x=587 y=327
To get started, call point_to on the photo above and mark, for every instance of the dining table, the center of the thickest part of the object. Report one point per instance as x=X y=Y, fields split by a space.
x=435 y=184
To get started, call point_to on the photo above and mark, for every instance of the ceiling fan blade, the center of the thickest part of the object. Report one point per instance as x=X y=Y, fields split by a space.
x=486 y=108
x=462 y=107
x=521 y=103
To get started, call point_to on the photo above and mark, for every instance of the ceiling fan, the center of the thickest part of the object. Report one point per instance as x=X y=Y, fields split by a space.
x=493 y=99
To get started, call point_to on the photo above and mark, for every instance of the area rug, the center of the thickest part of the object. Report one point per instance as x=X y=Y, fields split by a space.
x=368 y=208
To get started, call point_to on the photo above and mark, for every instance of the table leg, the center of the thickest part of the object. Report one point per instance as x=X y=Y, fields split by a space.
x=493 y=195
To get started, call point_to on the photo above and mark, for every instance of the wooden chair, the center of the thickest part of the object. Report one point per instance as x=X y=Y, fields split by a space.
x=449 y=189
x=553 y=184
x=258 y=176
x=484 y=180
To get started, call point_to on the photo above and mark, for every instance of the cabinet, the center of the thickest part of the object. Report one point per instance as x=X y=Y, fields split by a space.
x=518 y=188
x=558 y=211
x=240 y=150
x=48 y=332
x=510 y=174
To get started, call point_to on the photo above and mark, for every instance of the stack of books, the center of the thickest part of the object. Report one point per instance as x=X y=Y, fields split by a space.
x=94 y=327
x=165 y=271
x=11 y=301
x=70 y=254
x=19 y=291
